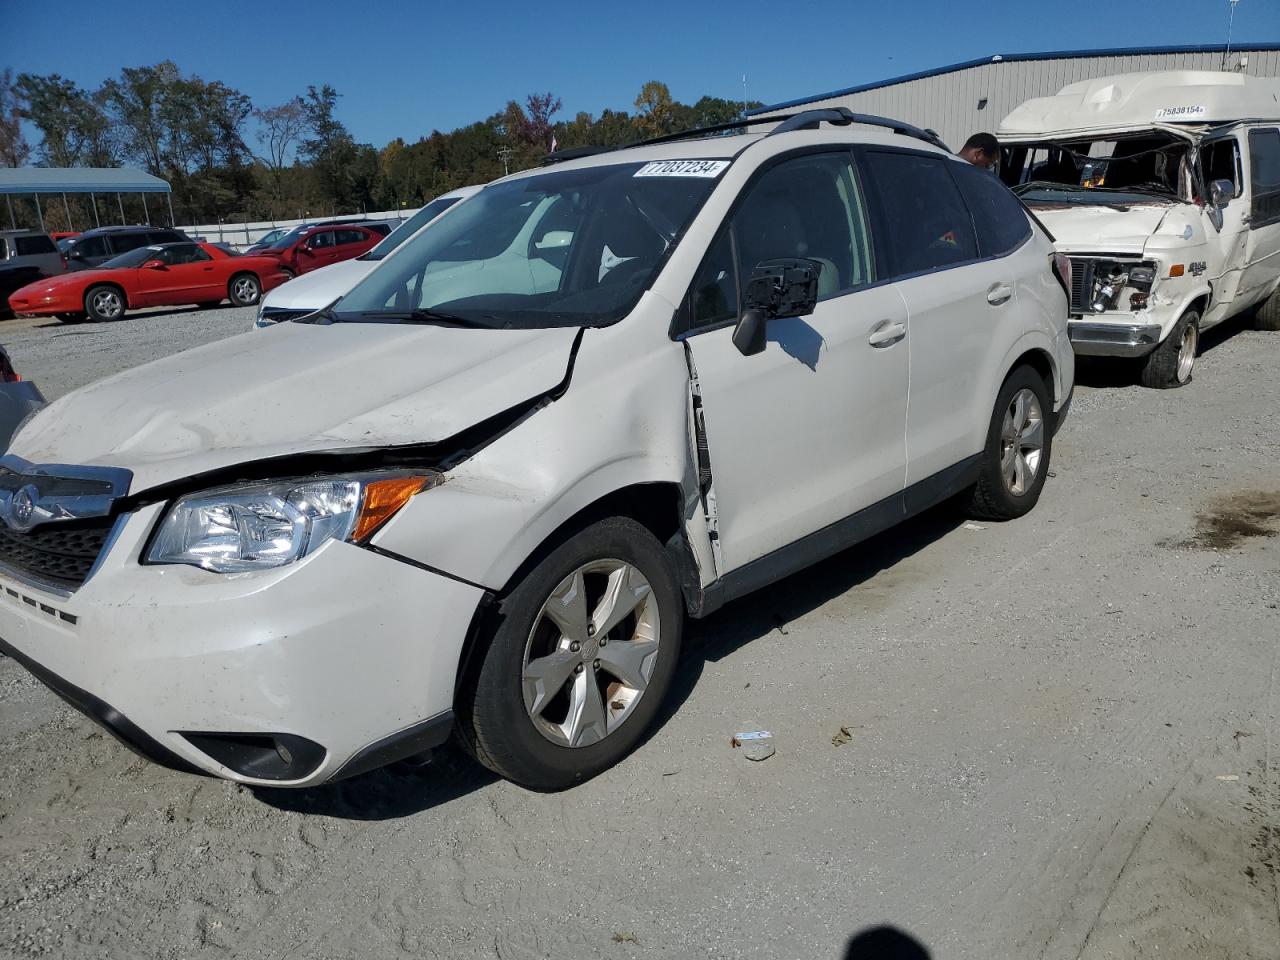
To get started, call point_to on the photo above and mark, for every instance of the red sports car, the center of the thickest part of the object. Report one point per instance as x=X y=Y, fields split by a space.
x=160 y=275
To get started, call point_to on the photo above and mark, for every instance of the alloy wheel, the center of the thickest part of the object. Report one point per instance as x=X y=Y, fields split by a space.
x=591 y=653
x=1021 y=442
x=246 y=291
x=106 y=303
x=1187 y=351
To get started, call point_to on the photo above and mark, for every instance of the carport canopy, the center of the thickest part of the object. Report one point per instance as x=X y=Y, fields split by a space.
x=34 y=181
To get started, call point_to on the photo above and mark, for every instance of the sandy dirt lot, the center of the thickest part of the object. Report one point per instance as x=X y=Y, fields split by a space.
x=1052 y=738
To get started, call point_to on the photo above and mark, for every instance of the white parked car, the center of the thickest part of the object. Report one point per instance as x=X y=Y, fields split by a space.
x=483 y=499
x=1164 y=189
x=319 y=288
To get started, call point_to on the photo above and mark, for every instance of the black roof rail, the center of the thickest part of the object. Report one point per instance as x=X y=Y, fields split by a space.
x=786 y=122
x=843 y=116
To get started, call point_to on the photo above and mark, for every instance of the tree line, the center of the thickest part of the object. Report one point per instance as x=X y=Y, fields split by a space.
x=229 y=159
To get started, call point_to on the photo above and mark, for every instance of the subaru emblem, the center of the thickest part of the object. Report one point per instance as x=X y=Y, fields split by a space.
x=22 y=508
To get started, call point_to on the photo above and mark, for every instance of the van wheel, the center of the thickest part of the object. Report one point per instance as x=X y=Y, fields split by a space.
x=1015 y=460
x=104 y=303
x=244 y=290
x=1268 y=315
x=1169 y=365
x=580 y=657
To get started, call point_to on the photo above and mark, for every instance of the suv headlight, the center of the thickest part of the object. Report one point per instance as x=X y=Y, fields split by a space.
x=264 y=525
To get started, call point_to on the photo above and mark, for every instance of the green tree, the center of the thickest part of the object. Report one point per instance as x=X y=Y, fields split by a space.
x=329 y=148
x=656 y=111
x=74 y=128
x=14 y=149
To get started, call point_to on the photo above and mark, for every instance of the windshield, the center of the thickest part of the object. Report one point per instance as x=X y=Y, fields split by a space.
x=1122 y=170
x=134 y=258
x=411 y=226
x=271 y=236
x=62 y=244
x=565 y=248
x=289 y=238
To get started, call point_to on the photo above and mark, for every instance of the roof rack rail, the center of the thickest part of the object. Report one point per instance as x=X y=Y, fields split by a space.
x=573 y=153
x=843 y=116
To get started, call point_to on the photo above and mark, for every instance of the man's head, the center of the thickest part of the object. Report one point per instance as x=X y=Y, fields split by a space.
x=982 y=150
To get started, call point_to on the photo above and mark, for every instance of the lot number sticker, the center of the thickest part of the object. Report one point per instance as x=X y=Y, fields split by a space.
x=1181 y=113
x=683 y=168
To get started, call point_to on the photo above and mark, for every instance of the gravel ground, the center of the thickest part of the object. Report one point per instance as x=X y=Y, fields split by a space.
x=1052 y=738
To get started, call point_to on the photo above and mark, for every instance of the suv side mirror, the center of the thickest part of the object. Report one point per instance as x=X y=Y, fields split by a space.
x=777 y=289
x=1221 y=192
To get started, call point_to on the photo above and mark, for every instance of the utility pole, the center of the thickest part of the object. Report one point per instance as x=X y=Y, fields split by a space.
x=1231 y=20
x=504 y=154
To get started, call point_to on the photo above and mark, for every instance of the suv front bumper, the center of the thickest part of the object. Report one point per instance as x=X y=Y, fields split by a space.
x=345 y=659
x=1100 y=339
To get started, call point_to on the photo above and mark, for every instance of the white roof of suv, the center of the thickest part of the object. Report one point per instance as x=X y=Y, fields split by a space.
x=1137 y=101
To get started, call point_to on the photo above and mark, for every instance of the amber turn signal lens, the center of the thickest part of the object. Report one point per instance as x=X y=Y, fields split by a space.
x=1176 y=270
x=382 y=498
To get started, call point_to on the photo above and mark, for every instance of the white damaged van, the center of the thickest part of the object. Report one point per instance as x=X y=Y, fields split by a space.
x=1164 y=191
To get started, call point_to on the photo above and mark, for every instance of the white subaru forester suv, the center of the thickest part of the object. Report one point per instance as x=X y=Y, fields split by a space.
x=481 y=493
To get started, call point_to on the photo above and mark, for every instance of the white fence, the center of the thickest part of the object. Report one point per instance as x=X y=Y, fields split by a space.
x=244 y=234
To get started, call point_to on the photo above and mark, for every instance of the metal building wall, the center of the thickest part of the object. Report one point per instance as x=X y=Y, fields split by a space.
x=948 y=103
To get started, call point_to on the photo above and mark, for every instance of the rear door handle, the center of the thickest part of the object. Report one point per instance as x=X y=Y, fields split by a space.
x=999 y=293
x=887 y=332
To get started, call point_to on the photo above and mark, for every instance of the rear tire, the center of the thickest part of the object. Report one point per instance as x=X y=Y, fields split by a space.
x=244 y=289
x=1268 y=315
x=103 y=303
x=1170 y=364
x=1015 y=460
x=551 y=702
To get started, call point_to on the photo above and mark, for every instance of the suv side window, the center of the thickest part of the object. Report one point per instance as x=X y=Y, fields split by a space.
x=809 y=206
x=322 y=239
x=927 y=224
x=999 y=218
x=92 y=247
x=34 y=244
x=124 y=242
x=1264 y=178
x=1220 y=160
x=349 y=236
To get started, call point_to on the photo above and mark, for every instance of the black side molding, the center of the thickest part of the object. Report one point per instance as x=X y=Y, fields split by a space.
x=422 y=736
x=115 y=722
x=840 y=535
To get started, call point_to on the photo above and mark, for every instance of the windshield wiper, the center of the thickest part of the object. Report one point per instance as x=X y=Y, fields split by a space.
x=1022 y=188
x=425 y=315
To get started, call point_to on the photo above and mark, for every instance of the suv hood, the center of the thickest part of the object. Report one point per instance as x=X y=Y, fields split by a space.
x=1103 y=229
x=319 y=288
x=292 y=389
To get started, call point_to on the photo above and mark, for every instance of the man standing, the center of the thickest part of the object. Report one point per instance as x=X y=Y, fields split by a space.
x=982 y=150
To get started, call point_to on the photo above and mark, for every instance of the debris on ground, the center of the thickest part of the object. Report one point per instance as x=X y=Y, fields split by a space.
x=755 y=744
x=626 y=938
x=970 y=525
x=1229 y=777
x=841 y=738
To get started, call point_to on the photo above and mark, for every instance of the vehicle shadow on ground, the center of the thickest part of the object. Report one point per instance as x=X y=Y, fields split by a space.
x=400 y=791
x=1123 y=371
x=885 y=943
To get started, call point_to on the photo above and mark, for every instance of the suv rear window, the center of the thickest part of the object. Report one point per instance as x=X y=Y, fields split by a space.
x=34 y=244
x=926 y=222
x=124 y=242
x=165 y=236
x=1000 y=220
x=91 y=247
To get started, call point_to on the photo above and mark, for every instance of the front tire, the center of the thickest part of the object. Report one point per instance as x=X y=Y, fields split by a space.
x=1268 y=315
x=244 y=290
x=580 y=657
x=1015 y=460
x=1170 y=364
x=103 y=304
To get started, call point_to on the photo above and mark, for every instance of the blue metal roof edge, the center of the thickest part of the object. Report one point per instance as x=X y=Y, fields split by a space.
x=1018 y=58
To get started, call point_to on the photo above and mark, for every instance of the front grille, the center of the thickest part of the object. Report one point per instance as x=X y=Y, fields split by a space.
x=1081 y=286
x=58 y=554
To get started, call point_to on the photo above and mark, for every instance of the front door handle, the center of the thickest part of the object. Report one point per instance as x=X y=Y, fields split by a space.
x=999 y=293
x=886 y=333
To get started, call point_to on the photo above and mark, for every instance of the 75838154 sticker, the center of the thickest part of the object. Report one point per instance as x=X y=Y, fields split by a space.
x=683 y=168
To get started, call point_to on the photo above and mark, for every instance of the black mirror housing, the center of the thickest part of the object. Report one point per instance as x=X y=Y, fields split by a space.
x=777 y=289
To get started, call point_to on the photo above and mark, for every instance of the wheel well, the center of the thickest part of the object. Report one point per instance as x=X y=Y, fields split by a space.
x=1038 y=361
x=656 y=506
x=1199 y=304
x=107 y=283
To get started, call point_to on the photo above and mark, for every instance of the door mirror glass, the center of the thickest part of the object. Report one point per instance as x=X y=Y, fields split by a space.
x=1221 y=192
x=777 y=289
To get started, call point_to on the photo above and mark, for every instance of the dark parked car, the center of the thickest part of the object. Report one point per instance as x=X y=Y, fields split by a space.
x=25 y=257
x=94 y=247
x=18 y=398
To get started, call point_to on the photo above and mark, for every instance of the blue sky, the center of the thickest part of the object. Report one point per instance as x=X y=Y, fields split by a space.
x=406 y=68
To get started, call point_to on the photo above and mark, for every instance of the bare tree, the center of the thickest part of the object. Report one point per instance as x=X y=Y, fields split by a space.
x=280 y=129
